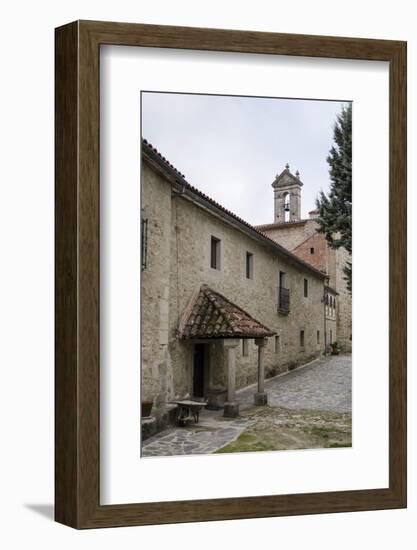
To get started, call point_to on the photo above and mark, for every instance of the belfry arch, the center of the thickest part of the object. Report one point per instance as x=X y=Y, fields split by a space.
x=287 y=196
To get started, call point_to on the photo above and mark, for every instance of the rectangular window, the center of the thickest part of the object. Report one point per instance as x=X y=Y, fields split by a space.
x=305 y=288
x=311 y=250
x=277 y=344
x=249 y=265
x=302 y=338
x=144 y=243
x=245 y=348
x=283 y=294
x=318 y=337
x=215 y=253
x=331 y=336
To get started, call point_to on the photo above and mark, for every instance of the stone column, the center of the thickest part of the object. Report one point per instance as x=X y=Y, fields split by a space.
x=231 y=407
x=261 y=397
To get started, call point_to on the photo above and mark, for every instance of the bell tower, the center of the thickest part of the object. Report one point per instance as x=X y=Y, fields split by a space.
x=287 y=196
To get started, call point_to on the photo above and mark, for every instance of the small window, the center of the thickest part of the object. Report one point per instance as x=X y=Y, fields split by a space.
x=249 y=265
x=215 y=253
x=277 y=344
x=305 y=288
x=302 y=338
x=331 y=336
x=312 y=250
x=318 y=337
x=245 y=348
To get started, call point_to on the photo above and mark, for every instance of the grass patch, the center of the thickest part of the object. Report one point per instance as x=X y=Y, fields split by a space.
x=283 y=429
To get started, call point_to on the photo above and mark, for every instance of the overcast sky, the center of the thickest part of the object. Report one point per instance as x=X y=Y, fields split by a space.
x=231 y=148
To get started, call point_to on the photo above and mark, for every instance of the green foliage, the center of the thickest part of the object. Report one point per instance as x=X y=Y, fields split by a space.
x=335 y=209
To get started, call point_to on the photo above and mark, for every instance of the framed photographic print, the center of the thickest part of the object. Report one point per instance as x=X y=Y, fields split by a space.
x=230 y=274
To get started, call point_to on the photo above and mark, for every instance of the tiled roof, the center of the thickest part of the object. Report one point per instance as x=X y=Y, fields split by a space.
x=281 y=225
x=170 y=171
x=211 y=315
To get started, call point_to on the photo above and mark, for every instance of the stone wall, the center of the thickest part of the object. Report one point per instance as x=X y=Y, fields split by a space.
x=289 y=234
x=299 y=238
x=178 y=262
x=192 y=228
x=344 y=299
x=314 y=250
x=156 y=374
x=331 y=325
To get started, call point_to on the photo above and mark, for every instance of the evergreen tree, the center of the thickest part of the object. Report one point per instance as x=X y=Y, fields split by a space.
x=335 y=209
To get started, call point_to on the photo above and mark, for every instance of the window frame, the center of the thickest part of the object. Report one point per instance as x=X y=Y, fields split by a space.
x=277 y=344
x=245 y=347
x=215 y=253
x=249 y=262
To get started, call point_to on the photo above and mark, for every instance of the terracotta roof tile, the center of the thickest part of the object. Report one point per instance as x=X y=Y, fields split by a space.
x=281 y=225
x=211 y=315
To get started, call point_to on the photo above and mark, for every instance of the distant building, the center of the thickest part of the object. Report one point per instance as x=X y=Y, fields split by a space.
x=225 y=304
x=301 y=238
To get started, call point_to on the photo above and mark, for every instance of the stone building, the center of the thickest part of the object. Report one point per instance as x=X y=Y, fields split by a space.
x=223 y=304
x=301 y=237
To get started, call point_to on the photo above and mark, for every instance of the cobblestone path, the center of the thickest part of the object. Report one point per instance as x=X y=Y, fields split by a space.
x=323 y=385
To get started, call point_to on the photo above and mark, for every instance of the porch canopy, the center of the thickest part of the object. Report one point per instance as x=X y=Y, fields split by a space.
x=211 y=315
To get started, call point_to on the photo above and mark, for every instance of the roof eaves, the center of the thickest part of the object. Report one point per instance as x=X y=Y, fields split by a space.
x=282 y=225
x=175 y=176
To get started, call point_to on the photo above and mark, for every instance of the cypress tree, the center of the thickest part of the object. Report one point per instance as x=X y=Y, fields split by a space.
x=335 y=208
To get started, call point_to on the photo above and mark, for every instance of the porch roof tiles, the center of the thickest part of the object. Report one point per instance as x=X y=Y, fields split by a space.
x=211 y=315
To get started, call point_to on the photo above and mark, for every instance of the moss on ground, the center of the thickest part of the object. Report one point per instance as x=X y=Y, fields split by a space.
x=276 y=428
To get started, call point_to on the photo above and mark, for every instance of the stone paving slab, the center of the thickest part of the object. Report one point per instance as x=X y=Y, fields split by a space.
x=210 y=434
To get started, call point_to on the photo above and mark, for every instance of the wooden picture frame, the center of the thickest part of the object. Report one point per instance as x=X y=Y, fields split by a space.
x=77 y=384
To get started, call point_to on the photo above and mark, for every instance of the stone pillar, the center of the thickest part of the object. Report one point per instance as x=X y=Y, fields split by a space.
x=261 y=397
x=231 y=407
x=295 y=204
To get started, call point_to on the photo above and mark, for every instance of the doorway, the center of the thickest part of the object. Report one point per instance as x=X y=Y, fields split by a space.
x=199 y=371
